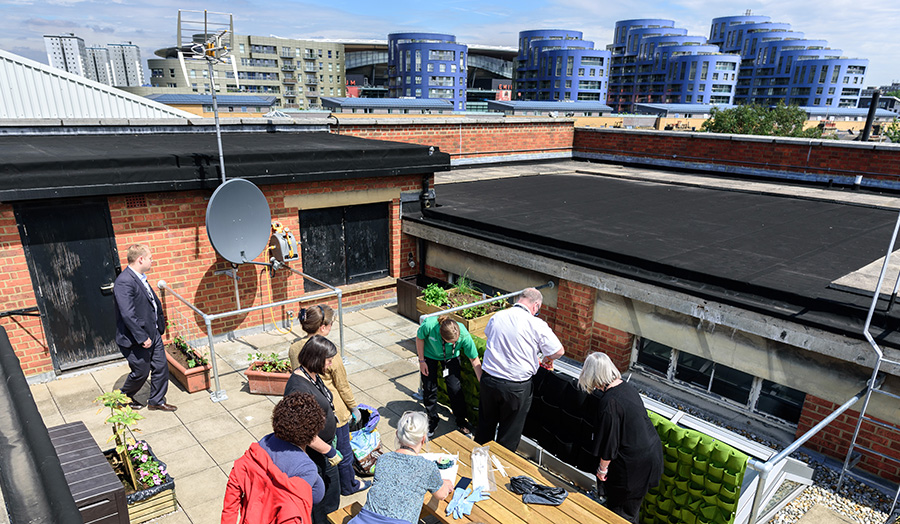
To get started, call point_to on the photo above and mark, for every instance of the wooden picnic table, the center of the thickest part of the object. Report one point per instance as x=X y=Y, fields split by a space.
x=504 y=506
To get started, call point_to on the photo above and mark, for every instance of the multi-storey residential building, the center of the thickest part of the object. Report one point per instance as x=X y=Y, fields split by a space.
x=427 y=65
x=68 y=52
x=113 y=65
x=98 y=65
x=559 y=65
x=778 y=64
x=296 y=72
x=655 y=62
x=125 y=63
x=746 y=59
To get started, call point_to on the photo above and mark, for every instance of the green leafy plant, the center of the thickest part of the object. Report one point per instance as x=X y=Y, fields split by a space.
x=463 y=286
x=892 y=131
x=270 y=363
x=435 y=295
x=194 y=357
x=142 y=469
x=752 y=119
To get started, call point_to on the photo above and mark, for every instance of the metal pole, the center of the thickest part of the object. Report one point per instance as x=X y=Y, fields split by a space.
x=870 y=116
x=212 y=83
x=237 y=294
x=549 y=284
x=218 y=394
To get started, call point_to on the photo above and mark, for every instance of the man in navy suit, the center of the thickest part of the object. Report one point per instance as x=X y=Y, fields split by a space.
x=139 y=327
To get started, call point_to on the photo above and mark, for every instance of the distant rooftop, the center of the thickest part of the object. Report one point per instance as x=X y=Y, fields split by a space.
x=387 y=103
x=233 y=100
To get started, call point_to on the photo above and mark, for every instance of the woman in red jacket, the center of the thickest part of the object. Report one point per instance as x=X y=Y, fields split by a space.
x=275 y=480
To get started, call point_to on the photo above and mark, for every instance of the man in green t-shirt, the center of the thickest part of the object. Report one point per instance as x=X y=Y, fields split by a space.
x=439 y=343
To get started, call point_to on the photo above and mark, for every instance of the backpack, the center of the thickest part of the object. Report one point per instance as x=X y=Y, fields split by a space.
x=365 y=441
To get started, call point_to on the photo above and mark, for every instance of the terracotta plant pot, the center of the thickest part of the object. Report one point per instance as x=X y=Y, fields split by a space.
x=193 y=379
x=265 y=383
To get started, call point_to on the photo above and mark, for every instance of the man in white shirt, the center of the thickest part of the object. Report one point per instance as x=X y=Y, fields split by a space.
x=517 y=342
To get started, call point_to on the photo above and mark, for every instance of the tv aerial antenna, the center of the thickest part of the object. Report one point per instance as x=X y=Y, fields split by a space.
x=211 y=40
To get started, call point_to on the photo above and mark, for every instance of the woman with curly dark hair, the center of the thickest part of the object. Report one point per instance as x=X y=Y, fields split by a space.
x=314 y=358
x=276 y=480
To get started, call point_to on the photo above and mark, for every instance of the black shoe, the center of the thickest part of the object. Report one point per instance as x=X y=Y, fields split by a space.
x=161 y=407
x=464 y=429
x=135 y=405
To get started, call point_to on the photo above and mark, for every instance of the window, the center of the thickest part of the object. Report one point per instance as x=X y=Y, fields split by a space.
x=442 y=68
x=344 y=245
x=418 y=60
x=418 y=80
x=693 y=73
x=241 y=48
x=580 y=71
x=704 y=70
x=592 y=60
x=568 y=84
x=437 y=54
x=835 y=74
x=329 y=53
x=440 y=93
x=570 y=64
x=757 y=394
x=429 y=67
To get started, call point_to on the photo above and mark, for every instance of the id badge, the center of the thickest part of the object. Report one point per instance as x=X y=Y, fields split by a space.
x=446 y=373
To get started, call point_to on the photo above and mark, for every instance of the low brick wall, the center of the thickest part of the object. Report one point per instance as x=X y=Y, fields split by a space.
x=823 y=161
x=472 y=140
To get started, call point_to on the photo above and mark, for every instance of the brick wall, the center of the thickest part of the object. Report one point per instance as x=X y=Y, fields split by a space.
x=173 y=224
x=574 y=318
x=470 y=138
x=835 y=439
x=821 y=160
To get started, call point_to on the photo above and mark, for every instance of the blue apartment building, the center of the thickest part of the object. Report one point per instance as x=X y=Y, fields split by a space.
x=778 y=64
x=427 y=65
x=657 y=63
x=559 y=65
x=745 y=59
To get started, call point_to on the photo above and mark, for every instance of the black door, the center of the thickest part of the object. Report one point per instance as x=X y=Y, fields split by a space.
x=345 y=245
x=72 y=258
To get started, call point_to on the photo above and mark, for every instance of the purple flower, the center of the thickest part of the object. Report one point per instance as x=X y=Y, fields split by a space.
x=163 y=472
x=144 y=458
x=144 y=446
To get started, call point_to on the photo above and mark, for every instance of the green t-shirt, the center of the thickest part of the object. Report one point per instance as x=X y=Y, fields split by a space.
x=435 y=348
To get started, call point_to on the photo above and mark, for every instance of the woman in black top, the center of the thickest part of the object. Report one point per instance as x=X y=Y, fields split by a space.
x=315 y=357
x=629 y=448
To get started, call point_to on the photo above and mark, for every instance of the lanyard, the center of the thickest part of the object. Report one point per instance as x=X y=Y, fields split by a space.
x=321 y=387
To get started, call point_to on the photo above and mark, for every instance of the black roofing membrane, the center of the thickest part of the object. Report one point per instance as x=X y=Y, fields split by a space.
x=775 y=254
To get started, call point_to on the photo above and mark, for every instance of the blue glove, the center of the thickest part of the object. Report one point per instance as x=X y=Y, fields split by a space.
x=458 y=495
x=465 y=507
x=355 y=414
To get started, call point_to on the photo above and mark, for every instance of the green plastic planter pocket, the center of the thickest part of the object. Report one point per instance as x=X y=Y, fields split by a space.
x=710 y=499
x=697 y=476
x=729 y=478
x=701 y=463
x=715 y=472
x=728 y=496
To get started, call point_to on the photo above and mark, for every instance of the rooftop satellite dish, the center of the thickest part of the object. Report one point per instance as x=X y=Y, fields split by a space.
x=238 y=221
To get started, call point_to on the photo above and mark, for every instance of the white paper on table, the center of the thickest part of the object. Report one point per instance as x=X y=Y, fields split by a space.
x=449 y=473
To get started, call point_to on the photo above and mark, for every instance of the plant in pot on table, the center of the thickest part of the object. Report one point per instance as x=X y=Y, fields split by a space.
x=267 y=374
x=435 y=298
x=149 y=489
x=189 y=366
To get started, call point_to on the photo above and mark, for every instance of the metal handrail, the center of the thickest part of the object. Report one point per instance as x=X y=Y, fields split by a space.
x=549 y=284
x=219 y=394
x=765 y=468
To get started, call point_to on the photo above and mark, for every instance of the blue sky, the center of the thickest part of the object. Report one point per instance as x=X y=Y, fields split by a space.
x=861 y=30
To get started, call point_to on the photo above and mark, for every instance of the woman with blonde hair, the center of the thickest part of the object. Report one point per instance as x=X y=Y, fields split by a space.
x=440 y=341
x=403 y=477
x=627 y=443
x=317 y=320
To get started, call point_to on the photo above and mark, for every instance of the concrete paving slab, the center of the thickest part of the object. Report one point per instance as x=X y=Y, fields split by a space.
x=178 y=517
x=254 y=414
x=169 y=440
x=370 y=328
x=401 y=368
x=360 y=345
x=378 y=357
x=370 y=378
x=198 y=409
x=377 y=313
x=156 y=421
x=40 y=392
x=73 y=394
x=349 y=334
x=353 y=364
x=238 y=399
x=821 y=514
x=53 y=419
x=229 y=447
x=111 y=377
x=355 y=318
x=386 y=338
x=187 y=461
x=212 y=427
x=209 y=513
x=261 y=430
x=396 y=321
x=47 y=407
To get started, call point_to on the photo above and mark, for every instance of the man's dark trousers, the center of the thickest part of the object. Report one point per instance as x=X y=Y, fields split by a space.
x=503 y=408
x=142 y=362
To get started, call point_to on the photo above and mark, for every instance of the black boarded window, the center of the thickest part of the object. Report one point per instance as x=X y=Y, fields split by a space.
x=345 y=245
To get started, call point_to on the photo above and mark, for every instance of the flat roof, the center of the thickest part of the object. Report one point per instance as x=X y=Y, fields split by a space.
x=59 y=166
x=385 y=103
x=774 y=254
x=225 y=100
x=548 y=105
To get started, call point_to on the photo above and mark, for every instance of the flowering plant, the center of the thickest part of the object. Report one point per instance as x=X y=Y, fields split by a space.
x=149 y=471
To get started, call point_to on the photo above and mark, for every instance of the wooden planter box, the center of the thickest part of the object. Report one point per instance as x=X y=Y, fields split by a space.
x=474 y=326
x=192 y=380
x=265 y=383
x=151 y=503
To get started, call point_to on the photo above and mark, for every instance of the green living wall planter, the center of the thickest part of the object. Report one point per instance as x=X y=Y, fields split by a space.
x=701 y=480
